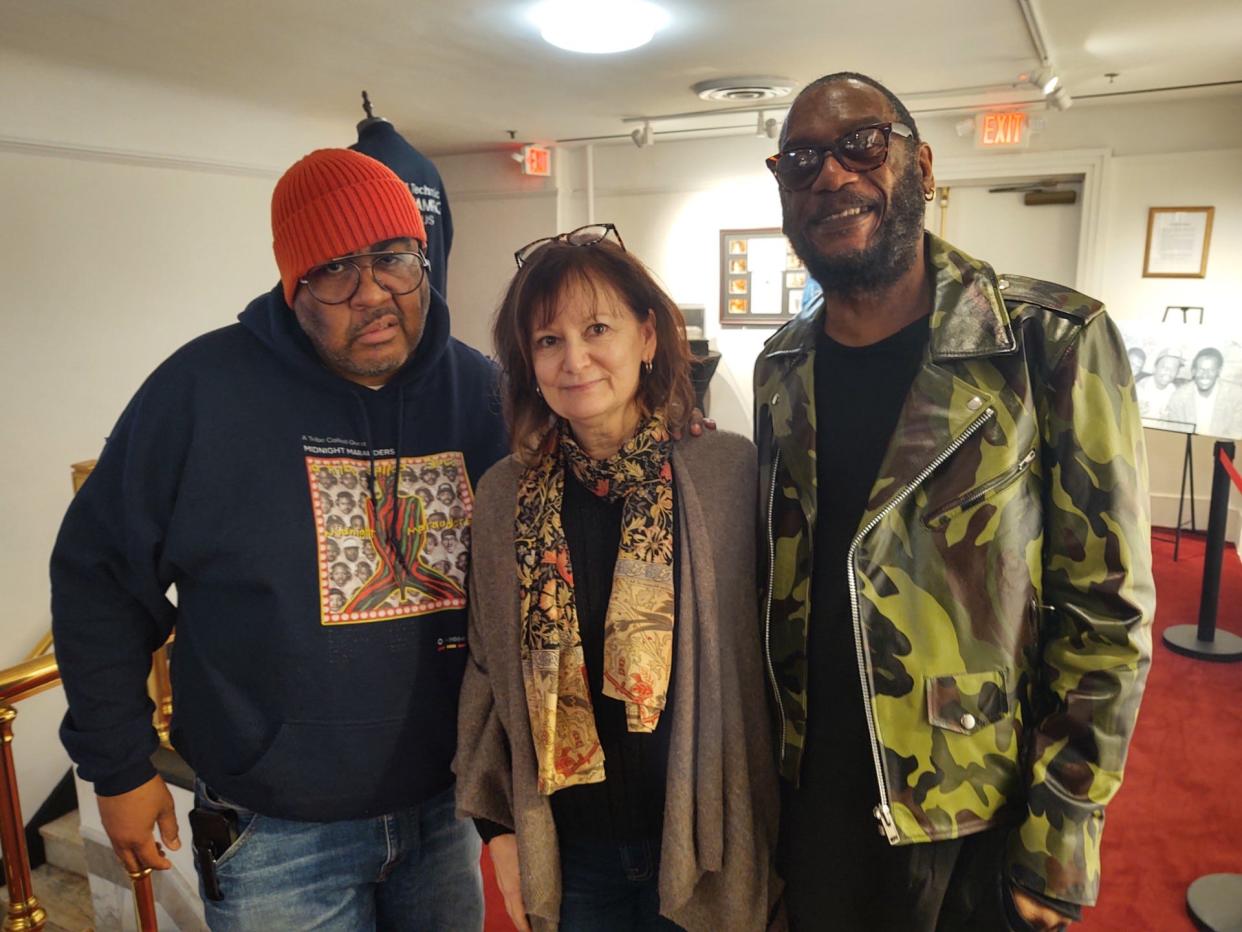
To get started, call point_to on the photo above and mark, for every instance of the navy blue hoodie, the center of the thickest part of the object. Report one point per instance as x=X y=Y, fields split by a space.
x=320 y=617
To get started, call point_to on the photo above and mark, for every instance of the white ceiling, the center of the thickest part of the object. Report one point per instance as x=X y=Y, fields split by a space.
x=454 y=75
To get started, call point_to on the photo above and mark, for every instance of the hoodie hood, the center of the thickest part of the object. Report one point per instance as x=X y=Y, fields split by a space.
x=270 y=319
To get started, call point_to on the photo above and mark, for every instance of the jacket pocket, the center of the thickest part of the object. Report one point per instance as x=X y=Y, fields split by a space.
x=965 y=703
x=977 y=494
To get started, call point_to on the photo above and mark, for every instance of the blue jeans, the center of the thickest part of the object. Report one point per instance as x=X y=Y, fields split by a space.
x=609 y=887
x=417 y=869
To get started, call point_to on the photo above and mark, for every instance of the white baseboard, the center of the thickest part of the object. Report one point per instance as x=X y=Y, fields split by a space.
x=1164 y=514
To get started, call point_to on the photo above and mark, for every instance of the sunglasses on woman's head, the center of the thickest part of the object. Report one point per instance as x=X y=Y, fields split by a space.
x=588 y=235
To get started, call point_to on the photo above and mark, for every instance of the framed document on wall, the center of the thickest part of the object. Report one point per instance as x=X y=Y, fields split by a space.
x=761 y=278
x=1178 y=239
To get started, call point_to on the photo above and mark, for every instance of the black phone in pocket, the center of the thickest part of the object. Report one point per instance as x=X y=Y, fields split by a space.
x=213 y=831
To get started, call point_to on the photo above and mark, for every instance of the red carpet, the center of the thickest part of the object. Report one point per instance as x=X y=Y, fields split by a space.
x=1179 y=812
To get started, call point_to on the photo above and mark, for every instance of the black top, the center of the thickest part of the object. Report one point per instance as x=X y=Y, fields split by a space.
x=829 y=828
x=629 y=805
x=856 y=876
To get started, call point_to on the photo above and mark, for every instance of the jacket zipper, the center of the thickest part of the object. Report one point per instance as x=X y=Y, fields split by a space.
x=970 y=499
x=883 y=812
x=767 y=613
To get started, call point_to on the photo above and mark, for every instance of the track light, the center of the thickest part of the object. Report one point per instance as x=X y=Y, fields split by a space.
x=644 y=138
x=768 y=127
x=1060 y=99
x=1046 y=80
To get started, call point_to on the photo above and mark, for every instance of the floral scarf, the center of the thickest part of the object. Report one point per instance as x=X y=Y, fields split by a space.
x=638 y=628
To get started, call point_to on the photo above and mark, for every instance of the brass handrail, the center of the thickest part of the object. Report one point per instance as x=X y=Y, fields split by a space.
x=28 y=678
x=24 y=914
x=44 y=645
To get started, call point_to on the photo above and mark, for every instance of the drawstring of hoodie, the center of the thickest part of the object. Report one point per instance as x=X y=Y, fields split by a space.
x=394 y=530
x=388 y=537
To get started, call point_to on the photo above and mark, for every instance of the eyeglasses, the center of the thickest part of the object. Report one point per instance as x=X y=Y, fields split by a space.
x=860 y=150
x=337 y=281
x=588 y=235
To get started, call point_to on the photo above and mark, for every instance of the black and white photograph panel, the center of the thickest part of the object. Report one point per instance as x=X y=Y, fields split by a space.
x=1188 y=377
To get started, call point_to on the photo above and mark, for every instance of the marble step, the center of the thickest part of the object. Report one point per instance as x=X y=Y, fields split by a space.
x=65 y=896
x=63 y=846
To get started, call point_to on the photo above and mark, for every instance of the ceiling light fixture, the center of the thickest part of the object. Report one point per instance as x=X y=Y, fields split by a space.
x=598 y=27
x=1049 y=84
x=1046 y=80
x=1060 y=99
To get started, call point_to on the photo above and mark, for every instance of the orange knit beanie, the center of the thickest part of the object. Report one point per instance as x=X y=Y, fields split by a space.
x=334 y=202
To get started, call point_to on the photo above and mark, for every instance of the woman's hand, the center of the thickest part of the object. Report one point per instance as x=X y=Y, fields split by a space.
x=504 y=854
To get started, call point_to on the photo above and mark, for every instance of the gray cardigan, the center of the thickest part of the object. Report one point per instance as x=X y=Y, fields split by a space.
x=721 y=807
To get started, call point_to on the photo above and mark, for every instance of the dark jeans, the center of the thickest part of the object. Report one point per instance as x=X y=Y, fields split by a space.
x=611 y=887
x=944 y=886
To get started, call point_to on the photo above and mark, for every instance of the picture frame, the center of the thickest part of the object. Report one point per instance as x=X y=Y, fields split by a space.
x=761 y=278
x=1178 y=240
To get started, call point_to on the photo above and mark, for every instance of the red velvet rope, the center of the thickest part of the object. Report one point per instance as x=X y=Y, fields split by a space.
x=1232 y=470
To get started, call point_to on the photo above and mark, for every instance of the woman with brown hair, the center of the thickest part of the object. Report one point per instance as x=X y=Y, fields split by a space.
x=613 y=745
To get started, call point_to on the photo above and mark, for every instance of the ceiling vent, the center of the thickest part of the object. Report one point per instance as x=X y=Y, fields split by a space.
x=743 y=90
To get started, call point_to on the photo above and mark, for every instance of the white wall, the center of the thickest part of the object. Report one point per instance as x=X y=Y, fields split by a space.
x=135 y=218
x=496 y=210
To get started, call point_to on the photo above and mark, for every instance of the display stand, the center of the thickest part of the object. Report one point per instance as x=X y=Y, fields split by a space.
x=1215 y=900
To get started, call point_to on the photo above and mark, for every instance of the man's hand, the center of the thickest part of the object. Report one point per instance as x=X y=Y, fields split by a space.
x=1040 y=917
x=697 y=424
x=129 y=818
x=504 y=854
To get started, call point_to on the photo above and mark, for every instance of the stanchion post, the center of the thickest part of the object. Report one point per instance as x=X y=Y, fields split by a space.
x=1204 y=641
x=24 y=911
x=1218 y=517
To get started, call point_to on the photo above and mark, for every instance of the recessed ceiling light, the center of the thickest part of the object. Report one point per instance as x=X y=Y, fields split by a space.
x=598 y=26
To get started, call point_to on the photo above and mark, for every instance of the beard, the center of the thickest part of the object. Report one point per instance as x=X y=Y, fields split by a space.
x=886 y=259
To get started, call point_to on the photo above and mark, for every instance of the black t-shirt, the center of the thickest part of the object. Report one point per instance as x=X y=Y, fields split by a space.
x=829 y=835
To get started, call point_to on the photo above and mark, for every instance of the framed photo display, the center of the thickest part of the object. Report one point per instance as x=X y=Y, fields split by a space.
x=1177 y=242
x=761 y=278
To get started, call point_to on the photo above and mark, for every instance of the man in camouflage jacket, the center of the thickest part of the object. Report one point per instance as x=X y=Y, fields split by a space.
x=999 y=580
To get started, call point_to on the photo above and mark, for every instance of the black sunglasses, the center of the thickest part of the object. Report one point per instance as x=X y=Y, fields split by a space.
x=860 y=150
x=588 y=235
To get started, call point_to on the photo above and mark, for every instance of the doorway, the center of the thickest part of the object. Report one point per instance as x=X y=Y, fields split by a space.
x=994 y=220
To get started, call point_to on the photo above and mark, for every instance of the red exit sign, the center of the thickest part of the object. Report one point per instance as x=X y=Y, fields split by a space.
x=536 y=160
x=1001 y=130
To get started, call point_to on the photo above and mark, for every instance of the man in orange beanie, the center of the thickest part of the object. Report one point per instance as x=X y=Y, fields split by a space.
x=315 y=703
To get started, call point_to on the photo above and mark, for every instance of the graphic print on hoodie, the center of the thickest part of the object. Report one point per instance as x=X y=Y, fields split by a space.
x=368 y=572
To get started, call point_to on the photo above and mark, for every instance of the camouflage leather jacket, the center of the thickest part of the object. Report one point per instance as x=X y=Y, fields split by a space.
x=1000 y=579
